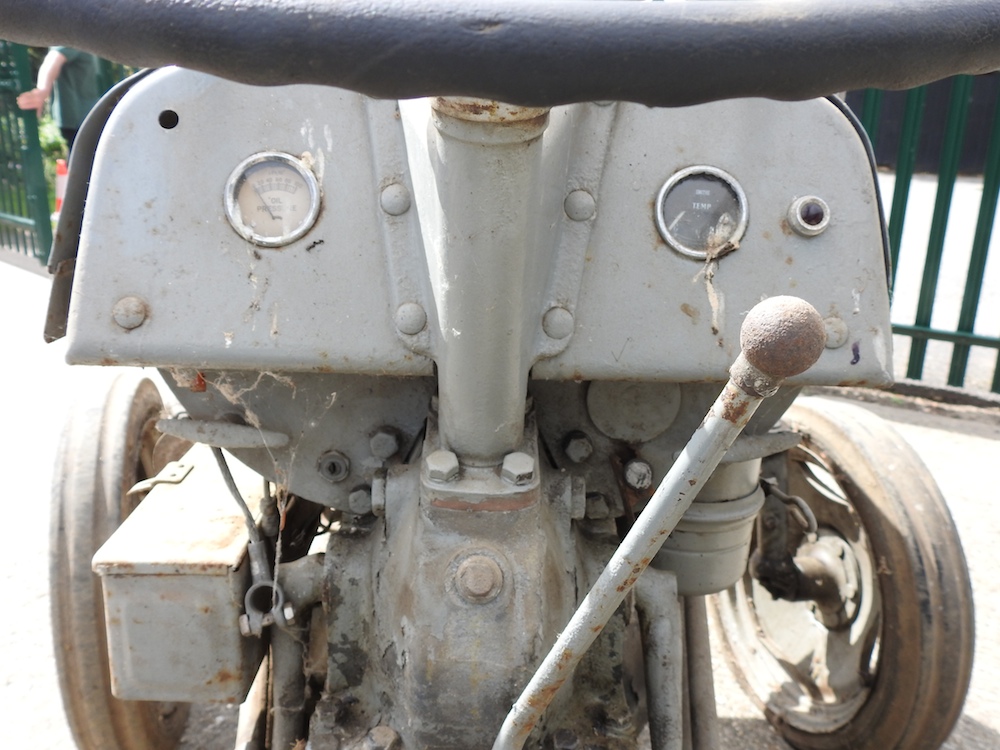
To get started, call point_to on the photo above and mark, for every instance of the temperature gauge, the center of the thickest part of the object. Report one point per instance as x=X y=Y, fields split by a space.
x=701 y=212
x=272 y=199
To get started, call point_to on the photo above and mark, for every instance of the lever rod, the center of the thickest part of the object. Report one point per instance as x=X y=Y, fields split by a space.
x=780 y=337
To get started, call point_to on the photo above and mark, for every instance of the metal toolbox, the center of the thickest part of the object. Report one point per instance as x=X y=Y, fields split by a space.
x=174 y=576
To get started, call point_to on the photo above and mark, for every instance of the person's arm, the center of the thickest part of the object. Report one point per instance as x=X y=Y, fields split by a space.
x=47 y=75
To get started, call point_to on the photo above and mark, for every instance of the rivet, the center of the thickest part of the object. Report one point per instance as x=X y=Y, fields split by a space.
x=837 y=332
x=579 y=205
x=410 y=318
x=558 y=322
x=395 y=199
x=130 y=312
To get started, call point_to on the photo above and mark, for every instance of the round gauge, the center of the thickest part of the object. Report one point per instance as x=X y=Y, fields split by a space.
x=272 y=199
x=701 y=212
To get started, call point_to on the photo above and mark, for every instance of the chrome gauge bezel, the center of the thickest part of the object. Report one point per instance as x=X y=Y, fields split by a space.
x=235 y=183
x=678 y=177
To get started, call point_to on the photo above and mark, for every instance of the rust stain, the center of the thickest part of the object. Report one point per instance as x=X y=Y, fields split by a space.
x=789 y=260
x=692 y=482
x=223 y=677
x=786 y=227
x=491 y=504
x=199 y=385
x=691 y=312
x=766 y=235
x=733 y=410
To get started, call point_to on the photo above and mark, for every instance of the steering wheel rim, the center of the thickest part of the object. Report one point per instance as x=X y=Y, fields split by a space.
x=537 y=52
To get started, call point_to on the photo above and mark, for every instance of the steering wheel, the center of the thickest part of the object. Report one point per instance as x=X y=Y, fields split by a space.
x=536 y=52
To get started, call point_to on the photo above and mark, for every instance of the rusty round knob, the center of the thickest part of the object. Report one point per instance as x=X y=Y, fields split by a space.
x=782 y=336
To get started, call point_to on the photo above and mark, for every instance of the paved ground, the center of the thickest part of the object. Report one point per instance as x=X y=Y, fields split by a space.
x=35 y=389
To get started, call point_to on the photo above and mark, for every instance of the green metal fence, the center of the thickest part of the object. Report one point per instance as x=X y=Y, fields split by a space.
x=954 y=136
x=25 y=227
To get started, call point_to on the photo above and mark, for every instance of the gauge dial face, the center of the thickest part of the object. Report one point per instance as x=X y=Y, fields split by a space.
x=272 y=199
x=701 y=212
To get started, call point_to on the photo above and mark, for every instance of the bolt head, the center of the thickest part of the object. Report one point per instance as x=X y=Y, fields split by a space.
x=578 y=447
x=638 y=474
x=384 y=443
x=597 y=506
x=360 y=501
x=518 y=468
x=442 y=466
x=478 y=579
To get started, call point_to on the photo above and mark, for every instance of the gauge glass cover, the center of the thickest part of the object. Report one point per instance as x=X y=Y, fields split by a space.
x=272 y=199
x=701 y=212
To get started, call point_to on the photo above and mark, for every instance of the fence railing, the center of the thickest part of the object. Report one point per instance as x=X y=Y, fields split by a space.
x=964 y=94
x=25 y=227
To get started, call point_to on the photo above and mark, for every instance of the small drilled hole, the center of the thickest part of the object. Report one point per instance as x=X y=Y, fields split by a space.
x=812 y=214
x=169 y=119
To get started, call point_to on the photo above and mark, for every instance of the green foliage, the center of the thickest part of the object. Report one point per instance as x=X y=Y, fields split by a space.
x=53 y=147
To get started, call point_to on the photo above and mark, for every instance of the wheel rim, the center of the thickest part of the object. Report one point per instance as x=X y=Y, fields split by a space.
x=899 y=651
x=824 y=671
x=108 y=446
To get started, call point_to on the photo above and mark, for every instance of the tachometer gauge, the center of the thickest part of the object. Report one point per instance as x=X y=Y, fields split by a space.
x=272 y=199
x=701 y=212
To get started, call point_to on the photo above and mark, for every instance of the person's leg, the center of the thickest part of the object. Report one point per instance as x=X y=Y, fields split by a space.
x=69 y=135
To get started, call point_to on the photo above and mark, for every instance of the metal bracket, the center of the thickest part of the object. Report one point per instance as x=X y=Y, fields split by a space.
x=173 y=473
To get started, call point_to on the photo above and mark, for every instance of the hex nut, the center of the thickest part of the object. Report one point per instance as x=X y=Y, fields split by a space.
x=130 y=312
x=638 y=474
x=384 y=443
x=360 y=501
x=578 y=446
x=478 y=579
x=442 y=466
x=597 y=506
x=518 y=468
x=382 y=738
